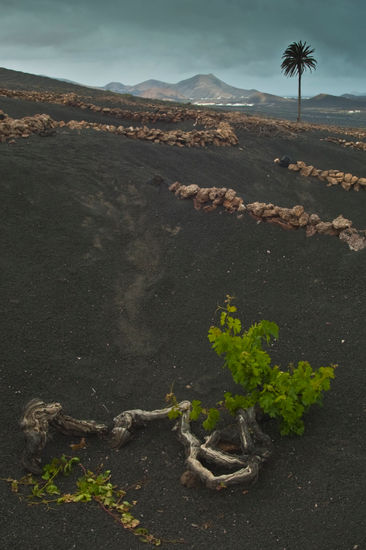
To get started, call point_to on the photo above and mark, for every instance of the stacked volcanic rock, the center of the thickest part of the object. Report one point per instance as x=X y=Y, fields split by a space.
x=357 y=133
x=160 y=114
x=11 y=128
x=293 y=218
x=223 y=135
x=209 y=198
x=256 y=124
x=46 y=97
x=332 y=177
x=353 y=144
x=73 y=100
x=288 y=218
x=156 y=115
x=43 y=124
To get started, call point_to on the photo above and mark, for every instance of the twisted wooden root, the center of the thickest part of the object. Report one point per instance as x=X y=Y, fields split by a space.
x=38 y=417
x=248 y=462
x=256 y=447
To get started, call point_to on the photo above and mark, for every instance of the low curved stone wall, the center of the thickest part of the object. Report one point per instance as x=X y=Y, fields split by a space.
x=332 y=177
x=43 y=124
x=12 y=128
x=361 y=145
x=210 y=198
x=162 y=114
x=223 y=135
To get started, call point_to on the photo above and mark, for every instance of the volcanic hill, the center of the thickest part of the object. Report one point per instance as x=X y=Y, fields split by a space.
x=125 y=222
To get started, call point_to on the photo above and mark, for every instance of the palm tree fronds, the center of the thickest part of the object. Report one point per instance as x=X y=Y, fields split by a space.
x=296 y=59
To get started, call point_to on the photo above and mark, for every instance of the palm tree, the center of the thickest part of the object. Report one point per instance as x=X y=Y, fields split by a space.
x=296 y=59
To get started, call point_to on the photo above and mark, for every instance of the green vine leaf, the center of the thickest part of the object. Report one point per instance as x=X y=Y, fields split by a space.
x=212 y=419
x=196 y=410
x=90 y=487
x=285 y=395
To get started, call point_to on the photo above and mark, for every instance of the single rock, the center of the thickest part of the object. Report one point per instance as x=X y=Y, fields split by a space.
x=332 y=180
x=203 y=194
x=341 y=223
x=297 y=210
x=306 y=170
x=310 y=230
x=174 y=186
x=228 y=205
x=188 y=191
x=230 y=194
x=257 y=207
x=322 y=175
x=354 y=240
x=213 y=193
x=303 y=219
x=314 y=219
x=284 y=213
x=237 y=204
x=346 y=185
x=218 y=201
x=325 y=228
x=269 y=211
x=190 y=480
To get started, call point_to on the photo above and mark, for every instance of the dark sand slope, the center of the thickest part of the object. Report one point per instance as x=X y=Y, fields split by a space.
x=109 y=286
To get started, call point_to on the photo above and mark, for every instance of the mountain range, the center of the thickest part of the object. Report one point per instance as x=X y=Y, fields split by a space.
x=208 y=89
x=201 y=88
x=348 y=109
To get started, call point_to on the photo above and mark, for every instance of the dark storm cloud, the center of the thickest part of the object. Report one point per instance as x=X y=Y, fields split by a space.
x=170 y=39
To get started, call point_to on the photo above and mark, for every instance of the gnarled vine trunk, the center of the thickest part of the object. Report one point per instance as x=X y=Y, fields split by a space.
x=255 y=446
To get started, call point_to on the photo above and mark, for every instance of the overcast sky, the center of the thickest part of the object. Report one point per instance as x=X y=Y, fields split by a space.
x=240 y=41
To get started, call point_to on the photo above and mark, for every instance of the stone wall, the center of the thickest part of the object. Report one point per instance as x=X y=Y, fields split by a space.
x=156 y=114
x=331 y=177
x=43 y=124
x=361 y=145
x=210 y=198
x=151 y=112
x=223 y=135
x=11 y=128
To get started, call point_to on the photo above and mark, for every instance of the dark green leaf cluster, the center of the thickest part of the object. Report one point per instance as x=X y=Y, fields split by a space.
x=285 y=395
x=296 y=58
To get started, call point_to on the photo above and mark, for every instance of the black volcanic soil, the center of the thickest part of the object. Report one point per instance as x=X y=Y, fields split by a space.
x=109 y=287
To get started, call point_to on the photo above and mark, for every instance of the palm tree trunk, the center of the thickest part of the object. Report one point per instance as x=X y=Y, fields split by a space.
x=299 y=99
